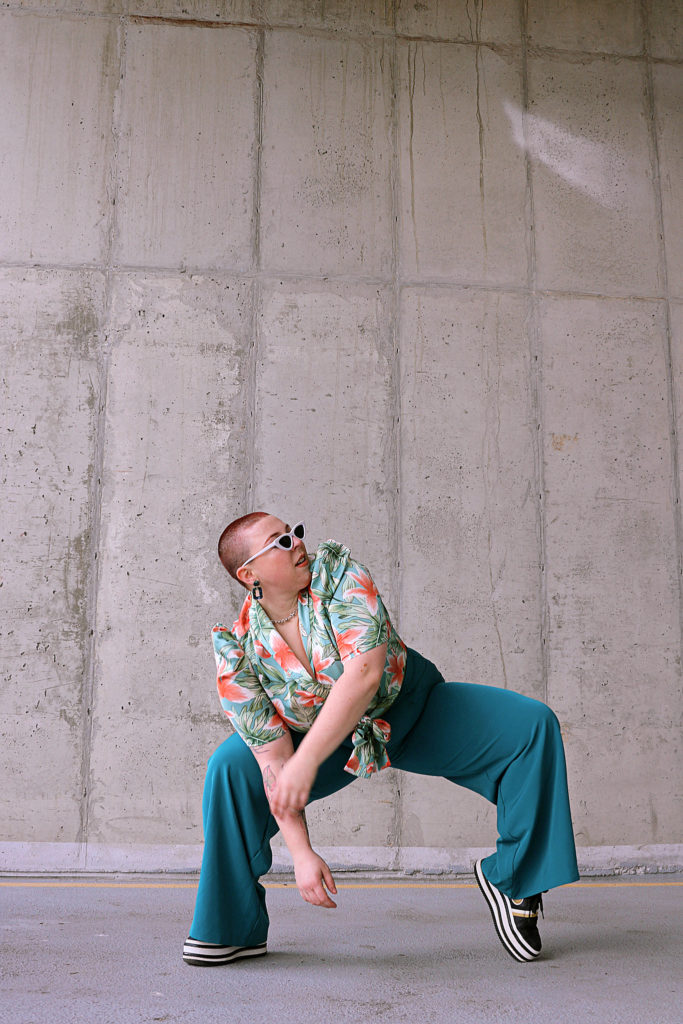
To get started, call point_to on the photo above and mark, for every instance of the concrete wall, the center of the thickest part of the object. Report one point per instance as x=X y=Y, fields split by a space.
x=410 y=271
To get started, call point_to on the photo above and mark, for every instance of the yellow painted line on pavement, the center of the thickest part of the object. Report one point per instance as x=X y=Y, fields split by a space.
x=19 y=884
x=99 y=885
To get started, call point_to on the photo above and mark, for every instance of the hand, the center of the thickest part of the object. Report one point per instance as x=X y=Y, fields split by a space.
x=312 y=875
x=293 y=786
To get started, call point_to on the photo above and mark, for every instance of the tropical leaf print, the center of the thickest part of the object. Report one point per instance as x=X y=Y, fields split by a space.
x=366 y=590
x=395 y=668
x=285 y=656
x=320 y=663
x=231 y=692
x=241 y=694
x=285 y=716
x=261 y=726
x=306 y=699
x=264 y=688
x=348 y=641
x=242 y=624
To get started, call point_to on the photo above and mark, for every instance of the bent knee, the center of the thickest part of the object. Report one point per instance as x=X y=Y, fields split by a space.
x=233 y=755
x=544 y=718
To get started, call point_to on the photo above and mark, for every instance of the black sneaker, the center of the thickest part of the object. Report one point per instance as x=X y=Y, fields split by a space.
x=208 y=954
x=516 y=921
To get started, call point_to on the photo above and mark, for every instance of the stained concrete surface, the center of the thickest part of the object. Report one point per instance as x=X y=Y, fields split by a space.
x=395 y=950
x=410 y=271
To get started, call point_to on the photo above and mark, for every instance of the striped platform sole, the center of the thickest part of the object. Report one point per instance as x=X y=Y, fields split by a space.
x=501 y=909
x=207 y=954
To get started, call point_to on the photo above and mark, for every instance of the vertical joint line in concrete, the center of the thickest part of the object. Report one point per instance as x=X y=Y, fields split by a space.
x=396 y=523
x=394 y=333
x=253 y=353
x=535 y=357
x=250 y=396
x=664 y=277
x=258 y=119
x=95 y=497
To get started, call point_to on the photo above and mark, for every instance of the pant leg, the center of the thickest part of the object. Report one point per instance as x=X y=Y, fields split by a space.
x=238 y=826
x=231 y=903
x=508 y=748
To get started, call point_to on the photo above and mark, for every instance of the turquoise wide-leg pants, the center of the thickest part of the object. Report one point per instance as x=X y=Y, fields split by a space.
x=500 y=744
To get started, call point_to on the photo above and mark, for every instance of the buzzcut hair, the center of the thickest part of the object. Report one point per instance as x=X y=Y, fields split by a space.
x=232 y=545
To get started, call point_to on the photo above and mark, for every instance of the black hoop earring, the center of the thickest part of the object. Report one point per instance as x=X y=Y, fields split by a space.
x=257 y=590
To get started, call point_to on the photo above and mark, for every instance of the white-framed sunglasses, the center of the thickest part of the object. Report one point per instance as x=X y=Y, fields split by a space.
x=284 y=541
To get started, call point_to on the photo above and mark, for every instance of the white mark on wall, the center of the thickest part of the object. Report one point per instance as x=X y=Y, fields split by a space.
x=594 y=168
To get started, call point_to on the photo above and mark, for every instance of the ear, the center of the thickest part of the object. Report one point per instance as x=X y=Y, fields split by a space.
x=246 y=576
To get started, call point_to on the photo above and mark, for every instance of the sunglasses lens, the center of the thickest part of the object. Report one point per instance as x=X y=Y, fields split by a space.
x=285 y=541
x=299 y=531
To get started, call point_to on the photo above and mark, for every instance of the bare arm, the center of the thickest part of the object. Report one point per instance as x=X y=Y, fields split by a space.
x=343 y=708
x=271 y=759
x=311 y=872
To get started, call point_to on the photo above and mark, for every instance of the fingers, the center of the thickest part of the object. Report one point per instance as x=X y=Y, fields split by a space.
x=281 y=806
x=318 y=897
x=329 y=880
x=314 y=892
x=293 y=786
x=283 y=800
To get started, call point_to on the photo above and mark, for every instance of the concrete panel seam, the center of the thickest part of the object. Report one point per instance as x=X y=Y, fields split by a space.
x=583 y=56
x=261 y=20
x=168 y=20
x=104 y=354
x=391 y=6
x=250 y=402
x=258 y=156
x=256 y=295
x=395 y=506
x=57 y=13
x=480 y=134
x=653 y=143
x=359 y=35
x=296 y=277
x=35 y=859
x=535 y=357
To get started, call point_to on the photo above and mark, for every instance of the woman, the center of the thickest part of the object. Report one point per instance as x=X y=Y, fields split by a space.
x=320 y=690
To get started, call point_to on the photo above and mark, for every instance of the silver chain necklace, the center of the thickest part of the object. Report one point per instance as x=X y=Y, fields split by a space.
x=278 y=622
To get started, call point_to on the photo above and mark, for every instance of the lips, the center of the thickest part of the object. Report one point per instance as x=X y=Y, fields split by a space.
x=303 y=560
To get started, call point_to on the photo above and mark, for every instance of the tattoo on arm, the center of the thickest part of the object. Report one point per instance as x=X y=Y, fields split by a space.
x=269 y=780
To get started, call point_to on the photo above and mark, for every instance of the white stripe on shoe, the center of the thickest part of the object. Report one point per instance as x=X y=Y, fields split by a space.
x=209 y=954
x=500 y=907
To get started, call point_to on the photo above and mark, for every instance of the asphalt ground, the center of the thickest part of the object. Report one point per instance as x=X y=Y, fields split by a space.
x=108 y=950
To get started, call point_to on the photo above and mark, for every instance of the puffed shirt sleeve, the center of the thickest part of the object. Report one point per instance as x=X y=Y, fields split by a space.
x=357 y=613
x=244 y=700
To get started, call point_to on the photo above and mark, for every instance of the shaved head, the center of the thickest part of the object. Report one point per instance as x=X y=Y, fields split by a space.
x=233 y=546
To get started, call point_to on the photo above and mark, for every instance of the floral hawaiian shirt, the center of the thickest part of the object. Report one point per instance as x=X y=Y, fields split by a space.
x=265 y=690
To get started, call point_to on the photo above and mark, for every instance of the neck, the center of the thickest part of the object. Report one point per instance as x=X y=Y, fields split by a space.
x=278 y=607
